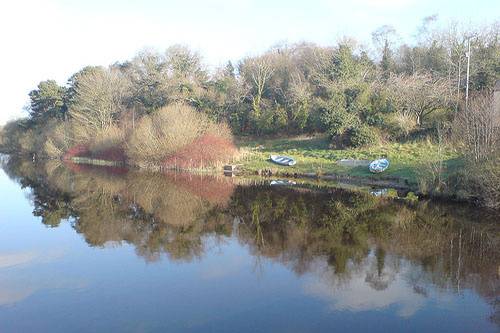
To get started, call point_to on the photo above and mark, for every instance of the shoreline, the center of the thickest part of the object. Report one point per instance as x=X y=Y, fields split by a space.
x=391 y=181
x=394 y=182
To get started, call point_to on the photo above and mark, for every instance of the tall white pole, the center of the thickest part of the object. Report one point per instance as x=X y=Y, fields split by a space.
x=467 y=84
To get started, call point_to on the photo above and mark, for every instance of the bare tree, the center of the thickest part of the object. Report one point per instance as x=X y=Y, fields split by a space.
x=419 y=95
x=478 y=128
x=384 y=36
x=148 y=74
x=100 y=97
x=258 y=71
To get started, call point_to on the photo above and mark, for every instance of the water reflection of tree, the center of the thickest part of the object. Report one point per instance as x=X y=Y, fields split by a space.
x=173 y=214
x=299 y=226
x=377 y=277
x=452 y=250
x=150 y=211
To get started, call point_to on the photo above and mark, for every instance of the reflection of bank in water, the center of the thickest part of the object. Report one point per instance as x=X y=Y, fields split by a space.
x=379 y=192
x=282 y=182
x=298 y=225
x=298 y=228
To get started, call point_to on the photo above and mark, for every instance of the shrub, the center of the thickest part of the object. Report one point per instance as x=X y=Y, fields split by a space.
x=110 y=138
x=272 y=120
x=165 y=131
x=58 y=140
x=78 y=150
x=400 y=125
x=361 y=135
x=477 y=129
x=477 y=132
x=51 y=150
x=175 y=127
x=28 y=141
x=208 y=150
x=336 y=119
x=373 y=119
x=479 y=181
x=486 y=179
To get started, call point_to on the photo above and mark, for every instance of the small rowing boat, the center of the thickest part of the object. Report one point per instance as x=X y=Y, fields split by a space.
x=378 y=166
x=282 y=160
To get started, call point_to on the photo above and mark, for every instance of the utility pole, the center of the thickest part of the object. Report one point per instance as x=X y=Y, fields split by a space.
x=468 y=68
x=133 y=118
x=458 y=81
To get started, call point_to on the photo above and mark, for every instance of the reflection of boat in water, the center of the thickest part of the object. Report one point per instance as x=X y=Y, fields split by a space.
x=379 y=165
x=379 y=192
x=282 y=182
x=282 y=160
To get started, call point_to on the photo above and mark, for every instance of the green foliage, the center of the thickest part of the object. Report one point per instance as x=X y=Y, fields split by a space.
x=48 y=100
x=335 y=117
x=345 y=65
x=360 y=136
x=387 y=62
x=411 y=197
x=272 y=120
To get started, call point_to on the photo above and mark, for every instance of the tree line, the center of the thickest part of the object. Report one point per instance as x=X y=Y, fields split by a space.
x=393 y=91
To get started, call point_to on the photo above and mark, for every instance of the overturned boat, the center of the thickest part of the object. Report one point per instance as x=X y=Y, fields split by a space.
x=378 y=166
x=282 y=160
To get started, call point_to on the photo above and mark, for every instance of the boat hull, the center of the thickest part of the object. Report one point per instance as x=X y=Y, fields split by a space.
x=378 y=166
x=282 y=160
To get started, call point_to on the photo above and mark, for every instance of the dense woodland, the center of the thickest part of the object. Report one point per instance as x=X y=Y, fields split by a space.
x=149 y=107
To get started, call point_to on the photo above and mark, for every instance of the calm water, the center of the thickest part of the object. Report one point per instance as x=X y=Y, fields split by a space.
x=99 y=250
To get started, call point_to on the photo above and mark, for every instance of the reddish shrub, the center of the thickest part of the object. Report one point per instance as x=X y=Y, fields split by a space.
x=86 y=168
x=206 y=151
x=78 y=150
x=116 y=154
x=216 y=190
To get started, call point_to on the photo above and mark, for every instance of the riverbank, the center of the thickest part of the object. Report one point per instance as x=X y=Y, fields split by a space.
x=406 y=174
x=409 y=161
x=315 y=159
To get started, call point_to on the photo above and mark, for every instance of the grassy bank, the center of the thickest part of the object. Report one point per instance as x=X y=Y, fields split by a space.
x=314 y=155
x=410 y=161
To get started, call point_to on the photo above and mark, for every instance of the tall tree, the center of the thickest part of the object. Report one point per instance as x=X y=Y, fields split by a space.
x=100 y=96
x=47 y=100
x=384 y=40
x=257 y=72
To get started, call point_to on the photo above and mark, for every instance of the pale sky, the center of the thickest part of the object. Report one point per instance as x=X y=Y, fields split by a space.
x=52 y=39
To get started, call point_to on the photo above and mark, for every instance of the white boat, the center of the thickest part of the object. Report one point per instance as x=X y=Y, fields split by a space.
x=282 y=160
x=378 y=166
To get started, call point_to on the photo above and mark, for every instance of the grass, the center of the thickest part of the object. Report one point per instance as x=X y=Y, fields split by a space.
x=313 y=155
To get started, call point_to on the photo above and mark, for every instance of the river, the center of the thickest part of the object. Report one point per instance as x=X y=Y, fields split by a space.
x=96 y=249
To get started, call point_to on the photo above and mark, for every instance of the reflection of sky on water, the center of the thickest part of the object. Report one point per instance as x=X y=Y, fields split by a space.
x=403 y=289
x=14 y=259
x=24 y=273
x=358 y=292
